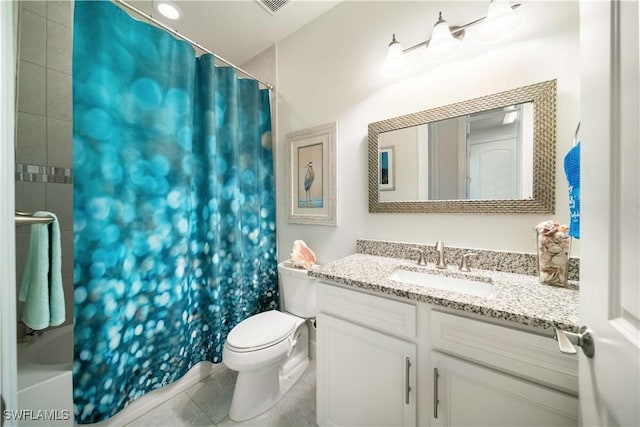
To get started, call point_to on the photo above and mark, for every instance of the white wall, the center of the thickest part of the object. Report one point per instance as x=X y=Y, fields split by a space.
x=446 y=143
x=328 y=71
x=405 y=163
x=263 y=66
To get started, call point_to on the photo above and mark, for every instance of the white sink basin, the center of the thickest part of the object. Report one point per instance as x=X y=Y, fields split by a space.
x=438 y=281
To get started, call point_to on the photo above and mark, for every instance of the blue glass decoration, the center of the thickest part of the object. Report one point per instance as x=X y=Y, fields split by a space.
x=174 y=208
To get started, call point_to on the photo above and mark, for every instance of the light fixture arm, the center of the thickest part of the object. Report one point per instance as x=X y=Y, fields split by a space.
x=457 y=32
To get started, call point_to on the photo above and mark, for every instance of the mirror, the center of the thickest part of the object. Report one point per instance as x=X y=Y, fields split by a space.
x=483 y=155
x=494 y=154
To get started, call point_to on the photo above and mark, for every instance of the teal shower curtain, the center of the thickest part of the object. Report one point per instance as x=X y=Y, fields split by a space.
x=174 y=210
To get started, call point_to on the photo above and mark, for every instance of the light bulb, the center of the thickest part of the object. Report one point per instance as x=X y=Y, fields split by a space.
x=395 y=64
x=501 y=22
x=442 y=43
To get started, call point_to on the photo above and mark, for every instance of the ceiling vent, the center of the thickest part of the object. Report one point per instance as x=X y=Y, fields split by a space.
x=272 y=6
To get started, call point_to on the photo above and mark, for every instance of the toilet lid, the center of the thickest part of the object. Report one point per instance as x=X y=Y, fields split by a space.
x=261 y=330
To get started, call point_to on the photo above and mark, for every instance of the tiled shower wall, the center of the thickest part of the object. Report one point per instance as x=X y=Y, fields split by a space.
x=44 y=128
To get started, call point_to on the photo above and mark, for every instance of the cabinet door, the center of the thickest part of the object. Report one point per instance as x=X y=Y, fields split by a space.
x=471 y=395
x=364 y=377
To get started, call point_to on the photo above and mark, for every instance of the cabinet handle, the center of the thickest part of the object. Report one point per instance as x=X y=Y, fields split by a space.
x=435 y=392
x=407 y=379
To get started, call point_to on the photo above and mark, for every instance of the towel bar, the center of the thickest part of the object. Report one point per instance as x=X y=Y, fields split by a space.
x=25 y=218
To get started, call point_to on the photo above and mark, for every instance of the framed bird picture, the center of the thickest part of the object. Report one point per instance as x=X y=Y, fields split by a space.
x=311 y=175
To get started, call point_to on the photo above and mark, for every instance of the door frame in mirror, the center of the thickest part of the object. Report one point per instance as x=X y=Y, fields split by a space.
x=543 y=95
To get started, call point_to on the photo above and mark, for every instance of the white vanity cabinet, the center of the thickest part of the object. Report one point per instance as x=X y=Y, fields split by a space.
x=472 y=395
x=495 y=375
x=366 y=358
x=377 y=359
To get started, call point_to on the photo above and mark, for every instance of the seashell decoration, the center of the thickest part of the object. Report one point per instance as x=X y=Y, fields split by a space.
x=302 y=256
x=553 y=252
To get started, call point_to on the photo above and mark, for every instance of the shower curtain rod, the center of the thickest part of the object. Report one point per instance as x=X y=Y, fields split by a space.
x=188 y=40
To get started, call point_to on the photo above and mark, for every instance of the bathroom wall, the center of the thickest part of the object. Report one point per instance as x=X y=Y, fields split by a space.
x=263 y=66
x=44 y=128
x=404 y=164
x=328 y=71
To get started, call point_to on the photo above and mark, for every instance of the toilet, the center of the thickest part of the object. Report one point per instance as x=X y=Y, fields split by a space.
x=270 y=350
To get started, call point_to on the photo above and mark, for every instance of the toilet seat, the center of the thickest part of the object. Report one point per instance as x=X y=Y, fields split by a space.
x=261 y=331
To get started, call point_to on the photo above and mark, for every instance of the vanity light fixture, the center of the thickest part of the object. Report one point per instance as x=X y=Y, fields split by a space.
x=443 y=43
x=168 y=9
x=501 y=22
x=396 y=63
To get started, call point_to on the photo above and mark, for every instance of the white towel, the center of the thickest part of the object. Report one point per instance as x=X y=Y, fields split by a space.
x=41 y=287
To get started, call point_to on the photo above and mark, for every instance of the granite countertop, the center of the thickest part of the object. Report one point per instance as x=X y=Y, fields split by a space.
x=517 y=297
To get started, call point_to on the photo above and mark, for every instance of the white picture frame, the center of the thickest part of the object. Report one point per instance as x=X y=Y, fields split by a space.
x=311 y=176
x=387 y=169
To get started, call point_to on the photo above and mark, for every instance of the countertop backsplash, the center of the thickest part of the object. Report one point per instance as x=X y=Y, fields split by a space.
x=509 y=262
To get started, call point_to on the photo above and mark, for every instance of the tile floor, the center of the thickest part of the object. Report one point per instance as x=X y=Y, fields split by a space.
x=207 y=404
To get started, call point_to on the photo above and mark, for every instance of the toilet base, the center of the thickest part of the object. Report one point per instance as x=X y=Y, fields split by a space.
x=255 y=392
x=258 y=390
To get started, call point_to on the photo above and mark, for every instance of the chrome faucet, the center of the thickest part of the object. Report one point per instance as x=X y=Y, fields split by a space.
x=440 y=250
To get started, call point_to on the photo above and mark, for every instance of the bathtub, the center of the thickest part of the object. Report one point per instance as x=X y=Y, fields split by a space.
x=44 y=379
x=45 y=383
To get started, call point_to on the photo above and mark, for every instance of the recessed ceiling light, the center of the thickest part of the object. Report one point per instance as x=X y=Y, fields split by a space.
x=167 y=9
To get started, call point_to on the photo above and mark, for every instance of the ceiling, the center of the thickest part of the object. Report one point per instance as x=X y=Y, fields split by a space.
x=238 y=30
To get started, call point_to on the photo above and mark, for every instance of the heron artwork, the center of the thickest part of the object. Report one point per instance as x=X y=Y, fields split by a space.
x=309 y=176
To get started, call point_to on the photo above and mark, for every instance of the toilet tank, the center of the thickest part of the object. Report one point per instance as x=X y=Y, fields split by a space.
x=298 y=289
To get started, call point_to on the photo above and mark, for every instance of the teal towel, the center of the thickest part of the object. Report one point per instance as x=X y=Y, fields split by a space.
x=41 y=288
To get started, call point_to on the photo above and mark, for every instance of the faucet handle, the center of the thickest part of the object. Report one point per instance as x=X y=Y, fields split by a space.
x=440 y=263
x=421 y=257
x=464 y=261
